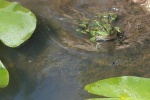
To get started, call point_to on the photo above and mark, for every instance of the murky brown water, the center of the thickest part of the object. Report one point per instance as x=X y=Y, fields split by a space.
x=55 y=64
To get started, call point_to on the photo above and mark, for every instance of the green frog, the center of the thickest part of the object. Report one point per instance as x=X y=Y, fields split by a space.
x=100 y=27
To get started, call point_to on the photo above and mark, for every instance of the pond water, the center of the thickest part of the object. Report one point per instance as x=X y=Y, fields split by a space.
x=47 y=68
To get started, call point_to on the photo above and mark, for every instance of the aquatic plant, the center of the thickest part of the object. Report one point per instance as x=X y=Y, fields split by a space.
x=17 y=23
x=121 y=88
x=4 y=76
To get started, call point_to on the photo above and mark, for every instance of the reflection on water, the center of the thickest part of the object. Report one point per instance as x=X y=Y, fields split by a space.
x=43 y=68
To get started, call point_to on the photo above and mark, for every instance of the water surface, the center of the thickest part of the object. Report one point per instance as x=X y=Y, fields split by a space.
x=44 y=68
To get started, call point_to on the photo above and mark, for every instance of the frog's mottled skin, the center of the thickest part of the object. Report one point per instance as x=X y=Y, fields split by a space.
x=100 y=27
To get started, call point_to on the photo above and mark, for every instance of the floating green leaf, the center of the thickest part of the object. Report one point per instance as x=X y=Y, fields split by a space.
x=121 y=88
x=4 y=76
x=17 y=23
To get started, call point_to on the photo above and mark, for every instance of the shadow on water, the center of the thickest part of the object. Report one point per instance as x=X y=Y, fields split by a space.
x=46 y=68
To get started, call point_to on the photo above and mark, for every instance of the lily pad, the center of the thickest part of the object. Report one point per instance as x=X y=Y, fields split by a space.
x=4 y=76
x=121 y=88
x=17 y=23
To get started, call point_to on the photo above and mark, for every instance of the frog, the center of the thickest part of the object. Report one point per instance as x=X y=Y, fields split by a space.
x=100 y=27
